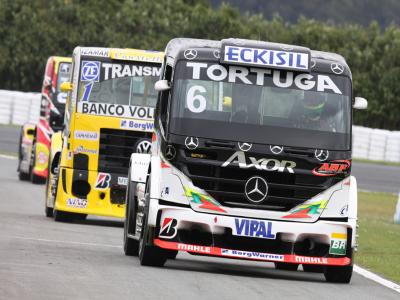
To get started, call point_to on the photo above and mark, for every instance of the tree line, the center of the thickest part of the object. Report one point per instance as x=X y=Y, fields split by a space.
x=30 y=31
x=363 y=12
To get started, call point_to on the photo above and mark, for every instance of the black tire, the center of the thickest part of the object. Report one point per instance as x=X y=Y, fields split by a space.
x=338 y=274
x=20 y=148
x=37 y=179
x=23 y=176
x=150 y=255
x=172 y=254
x=286 y=266
x=33 y=177
x=49 y=211
x=131 y=246
x=313 y=268
x=62 y=216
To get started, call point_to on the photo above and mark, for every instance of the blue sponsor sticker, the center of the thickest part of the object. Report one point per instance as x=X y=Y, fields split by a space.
x=278 y=59
x=254 y=228
x=137 y=125
x=90 y=71
x=87 y=90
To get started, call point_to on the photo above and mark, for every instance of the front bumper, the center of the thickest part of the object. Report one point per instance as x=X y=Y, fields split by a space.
x=319 y=243
x=40 y=167
x=98 y=201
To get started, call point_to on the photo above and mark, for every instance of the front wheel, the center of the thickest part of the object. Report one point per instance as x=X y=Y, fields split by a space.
x=131 y=246
x=49 y=211
x=149 y=255
x=338 y=274
x=50 y=191
x=23 y=176
x=35 y=178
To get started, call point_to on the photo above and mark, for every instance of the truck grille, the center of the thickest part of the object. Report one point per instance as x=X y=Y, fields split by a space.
x=116 y=147
x=227 y=184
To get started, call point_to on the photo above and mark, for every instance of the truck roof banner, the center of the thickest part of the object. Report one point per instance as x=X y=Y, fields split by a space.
x=267 y=58
x=137 y=55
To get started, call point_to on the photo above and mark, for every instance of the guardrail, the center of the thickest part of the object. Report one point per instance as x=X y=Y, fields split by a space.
x=376 y=144
x=368 y=143
x=17 y=108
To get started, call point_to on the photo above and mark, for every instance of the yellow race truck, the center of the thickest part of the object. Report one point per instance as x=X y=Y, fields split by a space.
x=108 y=115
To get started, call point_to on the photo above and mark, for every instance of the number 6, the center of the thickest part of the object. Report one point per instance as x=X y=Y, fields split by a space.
x=191 y=98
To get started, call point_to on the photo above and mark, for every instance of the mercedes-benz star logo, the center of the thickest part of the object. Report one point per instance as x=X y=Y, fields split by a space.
x=245 y=146
x=321 y=155
x=256 y=189
x=217 y=54
x=313 y=63
x=276 y=149
x=337 y=68
x=287 y=47
x=170 y=152
x=190 y=54
x=238 y=42
x=191 y=142
x=144 y=147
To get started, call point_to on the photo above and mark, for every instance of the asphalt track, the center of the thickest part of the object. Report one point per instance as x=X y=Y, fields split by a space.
x=44 y=259
x=9 y=137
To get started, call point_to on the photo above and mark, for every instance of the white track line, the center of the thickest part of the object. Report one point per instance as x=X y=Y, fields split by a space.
x=8 y=156
x=372 y=276
x=66 y=242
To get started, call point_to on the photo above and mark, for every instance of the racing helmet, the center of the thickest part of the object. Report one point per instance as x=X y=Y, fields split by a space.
x=313 y=105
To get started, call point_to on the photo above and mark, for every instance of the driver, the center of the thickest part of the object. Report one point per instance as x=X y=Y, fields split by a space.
x=121 y=90
x=311 y=115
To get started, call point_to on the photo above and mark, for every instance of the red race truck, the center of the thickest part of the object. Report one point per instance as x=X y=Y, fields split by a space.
x=34 y=141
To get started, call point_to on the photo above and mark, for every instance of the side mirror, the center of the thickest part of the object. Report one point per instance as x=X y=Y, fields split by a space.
x=360 y=103
x=162 y=85
x=66 y=87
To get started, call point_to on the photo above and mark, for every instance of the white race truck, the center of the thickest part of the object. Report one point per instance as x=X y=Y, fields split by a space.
x=251 y=159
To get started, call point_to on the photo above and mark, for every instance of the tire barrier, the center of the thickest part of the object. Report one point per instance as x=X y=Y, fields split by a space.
x=17 y=108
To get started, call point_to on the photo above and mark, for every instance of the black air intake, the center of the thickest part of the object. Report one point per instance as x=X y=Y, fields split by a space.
x=116 y=147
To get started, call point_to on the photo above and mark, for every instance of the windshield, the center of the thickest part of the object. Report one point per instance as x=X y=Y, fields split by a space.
x=262 y=106
x=63 y=76
x=118 y=83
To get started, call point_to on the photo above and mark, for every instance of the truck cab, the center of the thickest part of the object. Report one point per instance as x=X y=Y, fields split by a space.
x=34 y=142
x=251 y=158
x=109 y=114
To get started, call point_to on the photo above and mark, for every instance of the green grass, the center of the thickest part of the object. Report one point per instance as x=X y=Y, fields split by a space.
x=379 y=237
x=10 y=125
x=377 y=162
x=9 y=153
